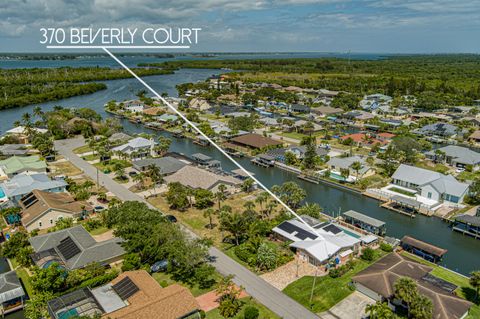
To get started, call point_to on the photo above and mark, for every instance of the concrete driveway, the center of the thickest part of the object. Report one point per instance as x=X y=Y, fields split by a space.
x=352 y=307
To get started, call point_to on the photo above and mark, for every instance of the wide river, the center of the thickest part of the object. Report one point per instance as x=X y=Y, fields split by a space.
x=463 y=252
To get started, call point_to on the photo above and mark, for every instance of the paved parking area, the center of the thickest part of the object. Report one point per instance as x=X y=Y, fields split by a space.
x=352 y=307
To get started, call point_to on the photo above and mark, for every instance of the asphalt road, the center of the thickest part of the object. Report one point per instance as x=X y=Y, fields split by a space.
x=255 y=286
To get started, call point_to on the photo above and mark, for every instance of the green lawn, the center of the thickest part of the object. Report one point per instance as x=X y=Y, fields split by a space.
x=98 y=231
x=165 y=280
x=328 y=291
x=265 y=313
x=82 y=149
x=401 y=191
x=294 y=135
x=91 y=157
x=23 y=275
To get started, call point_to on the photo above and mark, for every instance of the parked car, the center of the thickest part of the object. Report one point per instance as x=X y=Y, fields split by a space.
x=171 y=218
x=159 y=266
x=132 y=173
x=98 y=208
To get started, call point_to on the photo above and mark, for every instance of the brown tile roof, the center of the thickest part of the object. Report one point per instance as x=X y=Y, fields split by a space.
x=153 y=301
x=382 y=275
x=47 y=200
x=475 y=135
x=429 y=248
x=255 y=140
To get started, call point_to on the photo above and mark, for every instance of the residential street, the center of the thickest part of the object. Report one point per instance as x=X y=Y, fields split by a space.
x=265 y=293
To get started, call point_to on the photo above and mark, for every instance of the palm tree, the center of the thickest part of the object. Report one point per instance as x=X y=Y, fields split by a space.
x=379 y=310
x=406 y=290
x=37 y=111
x=421 y=308
x=475 y=281
x=249 y=206
x=163 y=145
x=345 y=173
x=220 y=194
x=119 y=172
x=356 y=166
x=234 y=223
x=208 y=213
x=155 y=175
x=270 y=207
x=139 y=178
x=261 y=199
x=247 y=185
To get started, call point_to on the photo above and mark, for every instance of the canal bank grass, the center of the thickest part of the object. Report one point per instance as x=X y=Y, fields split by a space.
x=264 y=312
x=328 y=291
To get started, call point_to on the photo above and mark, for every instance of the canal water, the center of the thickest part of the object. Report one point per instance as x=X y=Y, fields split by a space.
x=463 y=252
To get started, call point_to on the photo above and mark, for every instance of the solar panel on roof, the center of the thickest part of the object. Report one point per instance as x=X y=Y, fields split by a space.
x=301 y=233
x=321 y=225
x=28 y=200
x=332 y=229
x=68 y=248
x=125 y=288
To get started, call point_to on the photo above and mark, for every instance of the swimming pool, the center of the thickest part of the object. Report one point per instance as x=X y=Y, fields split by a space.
x=2 y=193
x=346 y=231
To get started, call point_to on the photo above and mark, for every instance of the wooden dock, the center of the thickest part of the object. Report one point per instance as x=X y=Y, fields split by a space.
x=387 y=206
x=259 y=163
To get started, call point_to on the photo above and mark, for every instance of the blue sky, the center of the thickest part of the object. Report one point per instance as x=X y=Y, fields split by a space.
x=390 y=26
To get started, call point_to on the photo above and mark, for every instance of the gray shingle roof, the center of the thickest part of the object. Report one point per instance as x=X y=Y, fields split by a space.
x=90 y=249
x=346 y=162
x=10 y=286
x=415 y=175
x=459 y=154
x=167 y=165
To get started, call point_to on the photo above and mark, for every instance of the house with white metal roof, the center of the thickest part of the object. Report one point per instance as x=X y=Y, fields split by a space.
x=430 y=185
x=328 y=242
x=140 y=146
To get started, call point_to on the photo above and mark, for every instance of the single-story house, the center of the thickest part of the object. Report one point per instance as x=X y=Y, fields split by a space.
x=21 y=132
x=299 y=108
x=363 y=139
x=378 y=281
x=167 y=118
x=456 y=156
x=430 y=184
x=12 y=295
x=21 y=185
x=326 y=110
x=132 y=295
x=119 y=137
x=336 y=164
x=327 y=243
x=13 y=150
x=359 y=115
x=198 y=178
x=139 y=146
x=22 y=164
x=135 y=106
x=255 y=141
x=437 y=129
x=167 y=165
x=199 y=104
x=41 y=210
x=74 y=248
x=297 y=150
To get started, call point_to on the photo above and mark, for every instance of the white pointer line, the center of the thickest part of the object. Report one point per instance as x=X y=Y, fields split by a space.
x=118 y=47
x=211 y=142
